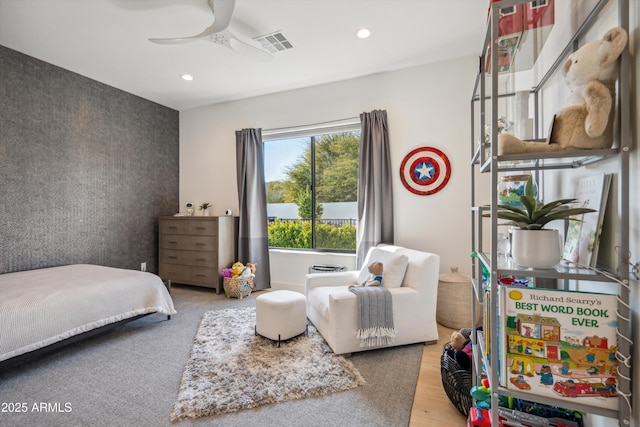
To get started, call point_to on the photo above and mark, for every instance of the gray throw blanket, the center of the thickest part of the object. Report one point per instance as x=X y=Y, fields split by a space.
x=375 y=316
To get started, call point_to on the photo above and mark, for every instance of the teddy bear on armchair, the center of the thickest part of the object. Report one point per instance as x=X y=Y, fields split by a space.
x=375 y=276
x=587 y=122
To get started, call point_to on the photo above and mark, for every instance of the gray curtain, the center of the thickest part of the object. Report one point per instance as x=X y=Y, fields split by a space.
x=253 y=238
x=375 y=192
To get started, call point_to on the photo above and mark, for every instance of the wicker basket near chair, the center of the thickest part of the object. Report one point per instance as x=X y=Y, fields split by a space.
x=237 y=287
x=455 y=296
x=456 y=381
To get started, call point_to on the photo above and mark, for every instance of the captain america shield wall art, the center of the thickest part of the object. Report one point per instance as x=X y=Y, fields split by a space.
x=425 y=171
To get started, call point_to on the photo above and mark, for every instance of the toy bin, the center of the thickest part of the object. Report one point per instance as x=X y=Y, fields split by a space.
x=456 y=381
x=237 y=287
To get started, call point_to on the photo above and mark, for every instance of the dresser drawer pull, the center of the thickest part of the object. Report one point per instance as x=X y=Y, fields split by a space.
x=172 y=257
x=200 y=244
x=200 y=275
x=200 y=259
x=172 y=243
x=201 y=228
x=173 y=227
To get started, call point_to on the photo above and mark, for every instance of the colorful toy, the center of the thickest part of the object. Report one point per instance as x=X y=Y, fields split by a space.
x=546 y=377
x=237 y=268
x=571 y=388
x=482 y=396
x=520 y=382
x=479 y=417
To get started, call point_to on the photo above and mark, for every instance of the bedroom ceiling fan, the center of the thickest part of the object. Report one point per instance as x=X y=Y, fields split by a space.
x=220 y=33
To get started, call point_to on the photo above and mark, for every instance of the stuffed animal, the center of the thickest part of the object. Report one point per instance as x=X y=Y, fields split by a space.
x=461 y=350
x=237 y=268
x=249 y=270
x=587 y=122
x=252 y=267
x=457 y=340
x=375 y=276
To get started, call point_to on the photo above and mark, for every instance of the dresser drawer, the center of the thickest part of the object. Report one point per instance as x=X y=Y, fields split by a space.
x=195 y=258
x=173 y=226
x=189 y=243
x=203 y=227
x=189 y=275
x=191 y=250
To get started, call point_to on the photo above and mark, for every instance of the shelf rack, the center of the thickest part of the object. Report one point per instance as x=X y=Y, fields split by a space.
x=485 y=159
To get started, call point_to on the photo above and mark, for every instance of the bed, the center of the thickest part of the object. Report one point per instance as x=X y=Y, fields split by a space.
x=43 y=308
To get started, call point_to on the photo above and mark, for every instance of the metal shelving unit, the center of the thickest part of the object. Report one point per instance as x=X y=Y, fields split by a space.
x=485 y=159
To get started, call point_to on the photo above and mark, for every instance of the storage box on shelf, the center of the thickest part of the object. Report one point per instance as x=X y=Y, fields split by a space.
x=496 y=95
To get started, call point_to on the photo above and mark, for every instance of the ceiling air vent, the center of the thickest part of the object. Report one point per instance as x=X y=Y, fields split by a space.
x=274 y=42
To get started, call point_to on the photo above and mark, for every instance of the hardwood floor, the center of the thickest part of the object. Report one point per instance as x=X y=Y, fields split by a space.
x=431 y=406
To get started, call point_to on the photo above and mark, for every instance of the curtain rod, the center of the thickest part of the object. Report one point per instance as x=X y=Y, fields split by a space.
x=334 y=123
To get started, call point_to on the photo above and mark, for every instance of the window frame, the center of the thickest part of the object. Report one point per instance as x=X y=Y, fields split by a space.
x=312 y=132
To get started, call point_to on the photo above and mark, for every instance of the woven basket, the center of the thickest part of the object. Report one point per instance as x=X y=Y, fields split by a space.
x=238 y=287
x=455 y=296
x=456 y=381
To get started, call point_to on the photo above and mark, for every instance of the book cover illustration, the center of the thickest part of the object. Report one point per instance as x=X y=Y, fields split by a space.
x=560 y=344
x=583 y=237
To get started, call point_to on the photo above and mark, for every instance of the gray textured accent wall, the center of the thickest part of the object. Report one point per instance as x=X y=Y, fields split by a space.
x=85 y=169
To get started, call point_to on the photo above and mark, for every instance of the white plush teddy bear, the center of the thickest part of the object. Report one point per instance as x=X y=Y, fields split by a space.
x=587 y=122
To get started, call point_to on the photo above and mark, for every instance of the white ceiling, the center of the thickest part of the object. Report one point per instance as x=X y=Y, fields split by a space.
x=107 y=40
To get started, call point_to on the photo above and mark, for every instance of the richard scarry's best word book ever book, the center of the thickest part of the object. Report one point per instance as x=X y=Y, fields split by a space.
x=559 y=344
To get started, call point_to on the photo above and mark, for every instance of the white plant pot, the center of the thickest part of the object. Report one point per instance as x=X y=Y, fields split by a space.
x=536 y=248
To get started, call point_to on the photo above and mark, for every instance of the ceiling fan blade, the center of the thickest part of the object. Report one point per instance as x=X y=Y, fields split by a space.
x=177 y=40
x=254 y=52
x=222 y=12
x=219 y=33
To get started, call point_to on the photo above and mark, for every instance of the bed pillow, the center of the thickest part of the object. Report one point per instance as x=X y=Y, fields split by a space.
x=394 y=266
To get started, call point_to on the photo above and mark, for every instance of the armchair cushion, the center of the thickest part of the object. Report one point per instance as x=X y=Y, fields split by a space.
x=322 y=296
x=394 y=266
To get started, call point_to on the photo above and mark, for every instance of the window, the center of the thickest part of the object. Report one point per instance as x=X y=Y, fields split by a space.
x=538 y=3
x=510 y=10
x=311 y=180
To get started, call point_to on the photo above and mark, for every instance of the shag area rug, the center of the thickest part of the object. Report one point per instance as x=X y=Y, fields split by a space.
x=230 y=368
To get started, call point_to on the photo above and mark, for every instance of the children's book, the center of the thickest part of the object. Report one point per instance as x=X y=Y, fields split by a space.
x=583 y=236
x=559 y=344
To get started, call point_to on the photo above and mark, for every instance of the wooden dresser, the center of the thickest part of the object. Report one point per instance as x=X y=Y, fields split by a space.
x=193 y=250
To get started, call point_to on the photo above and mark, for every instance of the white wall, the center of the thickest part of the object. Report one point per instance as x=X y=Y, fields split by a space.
x=426 y=106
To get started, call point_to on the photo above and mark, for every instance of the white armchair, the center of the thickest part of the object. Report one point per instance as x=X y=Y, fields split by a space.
x=333 y=309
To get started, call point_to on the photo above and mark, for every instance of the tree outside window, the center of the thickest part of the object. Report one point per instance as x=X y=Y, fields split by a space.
x=312 y=185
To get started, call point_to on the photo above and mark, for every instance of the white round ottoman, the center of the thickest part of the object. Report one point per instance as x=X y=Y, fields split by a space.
x=281 y=315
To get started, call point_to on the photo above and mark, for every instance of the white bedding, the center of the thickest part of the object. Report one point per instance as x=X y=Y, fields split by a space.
x=44 y=306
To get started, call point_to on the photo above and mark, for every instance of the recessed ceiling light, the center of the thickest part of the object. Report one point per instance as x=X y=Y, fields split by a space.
x=363 y=33
x=187 y=77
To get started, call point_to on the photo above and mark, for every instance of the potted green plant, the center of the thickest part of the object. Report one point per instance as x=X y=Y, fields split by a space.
x=204 y=207
x=531 y=244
